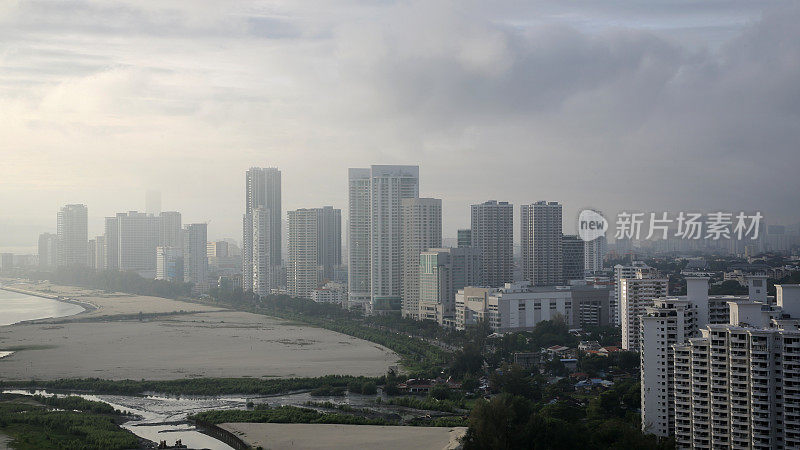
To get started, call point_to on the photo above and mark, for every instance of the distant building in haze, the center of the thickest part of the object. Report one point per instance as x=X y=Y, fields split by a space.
x=421 y=230
x=73 y=235
x=263 y=191
x=48 y=250
x=195 y=258
x=137 y=238
x=169 y=263
x=152 y=202
x=359 y=235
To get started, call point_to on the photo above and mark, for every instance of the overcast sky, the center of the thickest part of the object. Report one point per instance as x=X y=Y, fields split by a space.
x=653 y=105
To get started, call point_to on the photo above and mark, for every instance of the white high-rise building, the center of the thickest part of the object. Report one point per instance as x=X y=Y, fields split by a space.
x=621 y=272
x=668 y=321
x=637 y=294
x=493 y=235
x=195 y=256
x=302 y=271
x=541 y=239
x=169 y=263
x=359 y=232
x=263 y=190
x=260 y=262
x=314 y=248
x=137 y=239
x=737 y=386
x=73 y=235
x=442 y=272
x=389 y=186
x=422 y=229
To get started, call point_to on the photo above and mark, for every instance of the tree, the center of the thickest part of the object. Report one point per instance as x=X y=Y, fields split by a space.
x=467 y=362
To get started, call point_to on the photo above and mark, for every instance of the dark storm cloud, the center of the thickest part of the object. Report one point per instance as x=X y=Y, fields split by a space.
x=660 y=105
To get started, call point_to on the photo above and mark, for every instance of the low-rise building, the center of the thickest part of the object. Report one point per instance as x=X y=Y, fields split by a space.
x=330 y=293
x=520 y=306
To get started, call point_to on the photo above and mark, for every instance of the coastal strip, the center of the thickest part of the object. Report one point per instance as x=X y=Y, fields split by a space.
x=87 y=306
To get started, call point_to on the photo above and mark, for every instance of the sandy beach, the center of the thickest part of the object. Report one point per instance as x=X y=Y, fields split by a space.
x=363 y=437
x=113 y=303
x=200 y=342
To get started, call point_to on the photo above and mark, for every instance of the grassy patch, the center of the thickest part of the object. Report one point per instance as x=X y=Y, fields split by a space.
x=35 y=426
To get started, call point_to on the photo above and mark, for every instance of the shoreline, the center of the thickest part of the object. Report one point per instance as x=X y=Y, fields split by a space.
x=87 y=306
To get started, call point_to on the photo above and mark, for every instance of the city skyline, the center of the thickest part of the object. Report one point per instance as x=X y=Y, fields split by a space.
x=111 y=109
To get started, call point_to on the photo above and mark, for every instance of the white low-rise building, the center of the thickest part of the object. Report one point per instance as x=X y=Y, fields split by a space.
x=514 y=307
x=330 y=293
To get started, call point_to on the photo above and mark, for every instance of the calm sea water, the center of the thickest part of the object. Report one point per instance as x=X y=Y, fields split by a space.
x=16 y=307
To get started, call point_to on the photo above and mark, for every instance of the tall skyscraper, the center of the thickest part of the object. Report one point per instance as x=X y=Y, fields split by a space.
x=195 y=257
x=260 y=273
x=263 y=190
x=359 y=234
x=464 y=238
x=137 y=239
x=573 y=252
x=73 y=235
x=421 y=230
x=48 y=250
x=330 y=240
x=540 y=236
x=314 y=248
x=170 y=230
x=389 y=186
x=493 y=235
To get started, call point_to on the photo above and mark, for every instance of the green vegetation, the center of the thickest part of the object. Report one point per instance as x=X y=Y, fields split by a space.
x=427 y=403
x=284 y=414
x=194 y=386
x=526 y=415
x=114 y=281
x=36 y=426
x=75 y=403
x=366 y=388
x=328 y=391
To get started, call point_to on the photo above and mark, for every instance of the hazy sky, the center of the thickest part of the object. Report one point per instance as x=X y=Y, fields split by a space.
x=653 y=105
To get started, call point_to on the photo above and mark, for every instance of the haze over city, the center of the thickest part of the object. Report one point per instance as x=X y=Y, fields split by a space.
x=612 y=105
x=399 y=224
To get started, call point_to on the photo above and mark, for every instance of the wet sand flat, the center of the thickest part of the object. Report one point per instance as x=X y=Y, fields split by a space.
x=362 y=437
x=210 y=342
x=112 y=303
